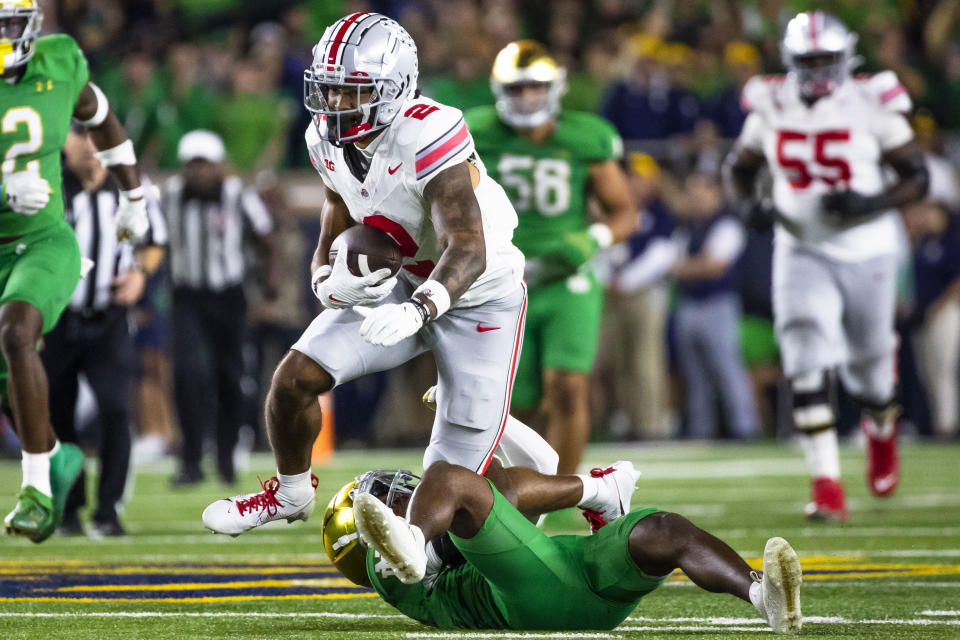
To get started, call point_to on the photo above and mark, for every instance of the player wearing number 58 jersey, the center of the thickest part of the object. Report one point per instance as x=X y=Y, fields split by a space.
x=550 y=162
x=403 y=163
x=46 y=86
x=827 y=137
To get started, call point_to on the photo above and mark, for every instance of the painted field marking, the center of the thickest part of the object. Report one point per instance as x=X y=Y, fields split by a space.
x=871 y=553
x=204 y=599
x=725 y=622
x=338 y=582
x=940 y=613
x=691 y=628
x=458 y=634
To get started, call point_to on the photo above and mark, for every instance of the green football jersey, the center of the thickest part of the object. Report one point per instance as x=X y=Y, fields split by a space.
x=35 y=118
x=546 y=181
x=459 y=599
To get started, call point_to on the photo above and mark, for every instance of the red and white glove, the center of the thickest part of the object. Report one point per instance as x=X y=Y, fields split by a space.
x=26 y=192
x=342 y=289
x=388 y=324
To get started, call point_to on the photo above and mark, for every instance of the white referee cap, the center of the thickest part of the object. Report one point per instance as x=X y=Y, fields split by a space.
x=201 y=144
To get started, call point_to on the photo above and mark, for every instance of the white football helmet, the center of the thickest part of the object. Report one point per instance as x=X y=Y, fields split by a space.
x=819 y=51
x=374 y=59
x=20 y=19
x=526 y=62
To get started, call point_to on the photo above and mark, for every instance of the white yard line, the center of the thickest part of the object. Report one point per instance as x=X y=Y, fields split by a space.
x=871 y=553
x=692 y=628
x=494 y=634
x=706 y=623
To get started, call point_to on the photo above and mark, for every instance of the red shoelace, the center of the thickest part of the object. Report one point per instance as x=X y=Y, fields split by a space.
x=593 y=517
x=267 y=499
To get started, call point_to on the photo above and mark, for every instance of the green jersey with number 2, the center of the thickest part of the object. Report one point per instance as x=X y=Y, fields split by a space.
x=35 y=118
x=546 y=181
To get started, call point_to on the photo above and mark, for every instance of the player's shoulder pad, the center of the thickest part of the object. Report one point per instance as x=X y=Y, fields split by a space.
x=600 y=137
x=316 y=147
x=431 y=132
x=759 y=93
x=57 y=44
x=885 y=90
x=60 y=51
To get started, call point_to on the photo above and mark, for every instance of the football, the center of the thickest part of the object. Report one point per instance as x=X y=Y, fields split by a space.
x=368 y=249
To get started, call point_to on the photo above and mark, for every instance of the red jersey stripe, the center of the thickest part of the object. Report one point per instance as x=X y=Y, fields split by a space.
x=442 y=151
x=890 y=94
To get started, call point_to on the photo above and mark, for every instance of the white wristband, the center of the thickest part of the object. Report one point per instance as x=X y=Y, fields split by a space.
x=103 y=108
x=435 y=293
x=601 y=233
x=133 y=194
x=123 y=153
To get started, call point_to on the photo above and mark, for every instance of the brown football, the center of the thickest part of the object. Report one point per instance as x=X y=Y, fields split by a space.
x=368 y=249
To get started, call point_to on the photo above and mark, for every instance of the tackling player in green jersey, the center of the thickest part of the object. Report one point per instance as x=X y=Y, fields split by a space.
x=46 y=86
x=549 y=161
x=511 y=574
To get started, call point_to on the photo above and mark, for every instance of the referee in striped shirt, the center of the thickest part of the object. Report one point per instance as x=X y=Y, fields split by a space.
x=209 y=213
x=93 y=336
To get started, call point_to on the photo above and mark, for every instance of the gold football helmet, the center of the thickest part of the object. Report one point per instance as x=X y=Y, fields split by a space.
x=521 y=65
x=340 y=538
x=20 y=22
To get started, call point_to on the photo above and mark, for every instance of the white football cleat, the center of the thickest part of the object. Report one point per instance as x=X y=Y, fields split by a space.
x=780 y=587
x=397 y=541
x=618 y=484
x=238 y=514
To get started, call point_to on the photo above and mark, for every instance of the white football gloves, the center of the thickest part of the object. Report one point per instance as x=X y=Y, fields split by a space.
x=388 y=324
x=132 y=221
x=342 y=289
x=26 y=192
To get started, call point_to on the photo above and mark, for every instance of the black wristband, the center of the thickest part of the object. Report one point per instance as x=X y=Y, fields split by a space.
x=422 y=308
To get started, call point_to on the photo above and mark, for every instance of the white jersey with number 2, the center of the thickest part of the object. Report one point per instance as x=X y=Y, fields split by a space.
x=425 y=138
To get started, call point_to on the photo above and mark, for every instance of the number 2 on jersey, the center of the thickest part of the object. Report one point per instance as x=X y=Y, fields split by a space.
x=799 y=171
x=9 y=124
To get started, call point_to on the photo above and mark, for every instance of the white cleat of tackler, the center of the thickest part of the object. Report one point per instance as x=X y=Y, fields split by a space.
x=397 y=541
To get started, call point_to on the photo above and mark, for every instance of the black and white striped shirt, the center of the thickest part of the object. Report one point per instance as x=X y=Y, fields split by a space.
x=92 y=214
x=206 y=237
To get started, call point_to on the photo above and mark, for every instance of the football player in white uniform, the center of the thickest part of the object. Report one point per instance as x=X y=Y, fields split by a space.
x=826 y=137
x=393 y=159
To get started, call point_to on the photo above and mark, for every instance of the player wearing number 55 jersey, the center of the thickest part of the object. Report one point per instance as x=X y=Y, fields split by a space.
x=550 y=161
x=826 y=137
x=46 y=85
x=405 y=164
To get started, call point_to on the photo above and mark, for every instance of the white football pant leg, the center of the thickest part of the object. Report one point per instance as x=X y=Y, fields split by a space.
x=521 y=446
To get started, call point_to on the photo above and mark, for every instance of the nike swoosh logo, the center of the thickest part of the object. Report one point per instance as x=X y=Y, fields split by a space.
x=394 y=169
x=335 y=300
x=482 y=329
x=885 y=483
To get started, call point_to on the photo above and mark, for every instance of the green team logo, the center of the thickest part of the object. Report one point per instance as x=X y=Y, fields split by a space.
x=536 y=184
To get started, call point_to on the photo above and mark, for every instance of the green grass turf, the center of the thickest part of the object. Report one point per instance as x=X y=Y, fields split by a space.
x=875 y=577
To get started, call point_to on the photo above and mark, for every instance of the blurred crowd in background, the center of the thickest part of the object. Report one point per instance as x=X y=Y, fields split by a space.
x=667 y=74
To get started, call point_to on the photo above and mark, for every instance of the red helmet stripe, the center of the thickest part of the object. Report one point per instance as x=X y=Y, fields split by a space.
x=813 y=29
x=341 y=36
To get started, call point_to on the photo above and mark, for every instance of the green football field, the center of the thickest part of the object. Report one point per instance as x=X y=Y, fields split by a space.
x=892 y=572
